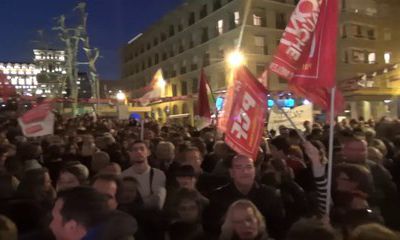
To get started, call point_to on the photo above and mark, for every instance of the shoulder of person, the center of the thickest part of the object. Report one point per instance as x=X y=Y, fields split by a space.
x=262 y=188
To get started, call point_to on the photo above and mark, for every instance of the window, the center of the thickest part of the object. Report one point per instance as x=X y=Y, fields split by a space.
x=156 y=60
x=260 y=47
x=371 y=34
x=148 y=46
x=204 y=35
x=195 y=85
x=191 y=18
x=183 y=67
x=387 y=56
x=184 y=90
x=217 y=4
x=256 y=20
x=220 y=27
x=171 y=30
x=203 y=11
x=163 y=37
x=221 y=54
x=358 y=56
x=155 y=42
x=236 y=18
x=164 y=56
x=280 y=21
x=371 y=58
x=149 y=62
x=387 y=34
x=174 y=90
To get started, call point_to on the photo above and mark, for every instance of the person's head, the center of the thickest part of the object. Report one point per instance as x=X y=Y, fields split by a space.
x=375 y=155
x=185 y=176
x=111 y=168
x=354 y=151
x=354 y=180
x=373 y=231
x=244 y=221
x=76 y=211
x=99 y=161
x=192 y=157
x=111 y=186
x=380 y=145
x=8 y=230
x=165 y=151
x=188 y=205
x=283 y=131
x=138 y=152
x=242 y=170
x=130 y=190
x=36 y=184
x=71 y=176
x=310 y=229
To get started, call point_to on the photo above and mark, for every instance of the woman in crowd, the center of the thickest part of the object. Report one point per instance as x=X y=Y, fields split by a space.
x=243 y=222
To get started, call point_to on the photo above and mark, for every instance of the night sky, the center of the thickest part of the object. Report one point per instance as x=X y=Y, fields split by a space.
x=111 y=24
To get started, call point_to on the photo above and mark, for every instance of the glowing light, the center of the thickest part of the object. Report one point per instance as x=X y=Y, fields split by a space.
x=161 y=83
x=306 y=102
x=39 y=91
x=121 y=96
x=387 y=101
x=236 y=59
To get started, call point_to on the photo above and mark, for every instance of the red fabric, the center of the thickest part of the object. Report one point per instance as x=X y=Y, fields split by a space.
x=6 y=88
x=203 y=103
x=246 y=113
x=306 y=56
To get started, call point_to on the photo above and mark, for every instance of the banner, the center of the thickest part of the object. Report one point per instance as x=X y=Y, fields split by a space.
x=37 y=122
x=298 y=115
x=155 y=90
x=307 y=50
x=306 y=55
x=245 y=113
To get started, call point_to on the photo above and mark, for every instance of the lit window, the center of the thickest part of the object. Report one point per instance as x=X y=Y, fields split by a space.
x=371 y=58
x=257 y=20
x=237 y=18
x=387 y=56
x=29 y=81
x=14 y=81
x=21 y=81
x=220 y=27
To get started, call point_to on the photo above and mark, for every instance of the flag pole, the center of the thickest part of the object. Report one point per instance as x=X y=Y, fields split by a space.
x=330 y=153
x=142 y=129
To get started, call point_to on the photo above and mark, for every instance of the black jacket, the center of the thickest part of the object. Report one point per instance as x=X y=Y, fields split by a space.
x=265 y=198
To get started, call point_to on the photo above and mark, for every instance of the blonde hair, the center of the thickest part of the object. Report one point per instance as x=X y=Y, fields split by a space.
x=373 y=231
x=8 y=230
x=227 y=231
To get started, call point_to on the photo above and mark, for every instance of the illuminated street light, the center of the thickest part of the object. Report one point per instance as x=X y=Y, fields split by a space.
x=161 y=83
x=121 y=96
x=39 y=91
x=236 y=59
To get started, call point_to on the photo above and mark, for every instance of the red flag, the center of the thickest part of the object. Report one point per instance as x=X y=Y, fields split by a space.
x=306 y=56
x=6 y=88
x=244 y=113
x=204 y=112
x=38 y=121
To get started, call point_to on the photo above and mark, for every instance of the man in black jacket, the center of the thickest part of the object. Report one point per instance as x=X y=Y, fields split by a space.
x=243 y=186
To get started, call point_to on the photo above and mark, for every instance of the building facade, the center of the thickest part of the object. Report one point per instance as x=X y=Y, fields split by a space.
x=21 y=75
x=202 y=33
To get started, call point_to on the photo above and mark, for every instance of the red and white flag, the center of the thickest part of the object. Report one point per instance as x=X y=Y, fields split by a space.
x=38 y=121
x=155 y=90
x=244 y=113
x=306 y=55
x=204 y=111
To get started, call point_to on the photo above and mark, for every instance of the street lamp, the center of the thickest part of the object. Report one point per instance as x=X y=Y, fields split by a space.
x=121 y=96
x=39 y=91
x=236 y=59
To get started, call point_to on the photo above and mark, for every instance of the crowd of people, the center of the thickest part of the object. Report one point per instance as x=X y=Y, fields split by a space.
x=100 y=179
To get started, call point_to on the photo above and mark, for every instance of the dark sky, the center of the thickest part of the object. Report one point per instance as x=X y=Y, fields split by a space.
x=112 y=23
